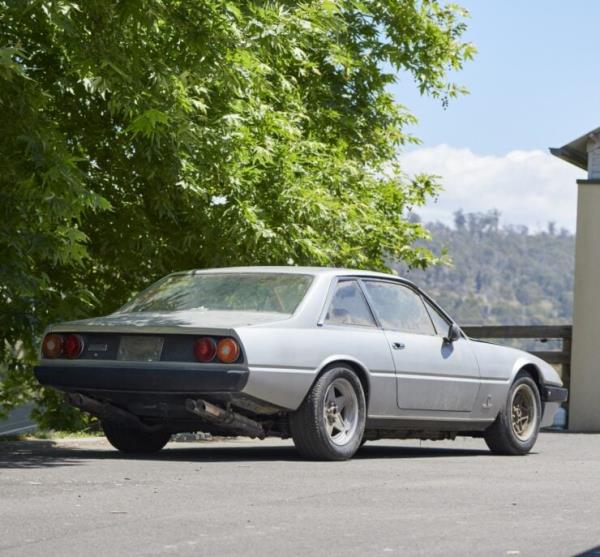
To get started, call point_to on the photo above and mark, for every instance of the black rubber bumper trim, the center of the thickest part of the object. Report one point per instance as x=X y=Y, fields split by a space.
x=555 y=394
x=147 y=379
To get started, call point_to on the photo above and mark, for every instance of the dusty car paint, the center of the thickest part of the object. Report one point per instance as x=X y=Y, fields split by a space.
x=428 y=380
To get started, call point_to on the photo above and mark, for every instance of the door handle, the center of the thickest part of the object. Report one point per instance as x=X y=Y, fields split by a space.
x=398 y=345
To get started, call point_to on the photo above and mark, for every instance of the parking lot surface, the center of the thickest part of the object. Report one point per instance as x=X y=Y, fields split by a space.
x=245 y=497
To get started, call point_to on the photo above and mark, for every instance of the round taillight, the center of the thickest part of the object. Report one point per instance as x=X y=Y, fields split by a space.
x=205 y=349
x=228 y=350
x=73 y=346
x=52 y=346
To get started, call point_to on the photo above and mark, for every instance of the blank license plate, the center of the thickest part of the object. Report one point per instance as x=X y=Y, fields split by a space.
x=140 y=348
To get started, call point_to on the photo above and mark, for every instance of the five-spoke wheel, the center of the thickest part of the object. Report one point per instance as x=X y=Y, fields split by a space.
x=340 y=411
x=524 y=411
x=516 y=428
x=329 y=424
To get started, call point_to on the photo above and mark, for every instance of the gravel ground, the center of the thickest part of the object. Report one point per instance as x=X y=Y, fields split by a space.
x=74 y=497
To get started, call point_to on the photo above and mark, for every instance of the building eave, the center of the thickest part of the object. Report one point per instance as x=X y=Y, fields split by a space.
x=575 y=152
x=572 y=156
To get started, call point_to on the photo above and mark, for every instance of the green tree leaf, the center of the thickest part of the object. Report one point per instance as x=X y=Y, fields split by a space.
x=139 y=138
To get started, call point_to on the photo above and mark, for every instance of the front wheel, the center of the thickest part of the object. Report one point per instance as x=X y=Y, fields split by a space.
x=134 y=440
x=516 y=428
x=330 y=423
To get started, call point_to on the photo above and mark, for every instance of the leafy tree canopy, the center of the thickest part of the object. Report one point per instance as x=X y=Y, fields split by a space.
x=139 y=137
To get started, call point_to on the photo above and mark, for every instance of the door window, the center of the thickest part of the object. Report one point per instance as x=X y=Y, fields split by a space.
x=349 y=307
x=439 y=321
x=399 y=308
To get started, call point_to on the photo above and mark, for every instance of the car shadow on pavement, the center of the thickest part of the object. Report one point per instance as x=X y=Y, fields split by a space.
x=593 y=552
x=41 y=454
x=35 y=454
x=390 y=451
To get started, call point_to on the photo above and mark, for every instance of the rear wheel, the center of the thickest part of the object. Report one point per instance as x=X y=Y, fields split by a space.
x=330 y=423
x=134 y=440
x=516 y=428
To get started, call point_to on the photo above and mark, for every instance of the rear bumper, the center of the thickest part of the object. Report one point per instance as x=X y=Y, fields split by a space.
x=554 y=394
x=146 y=379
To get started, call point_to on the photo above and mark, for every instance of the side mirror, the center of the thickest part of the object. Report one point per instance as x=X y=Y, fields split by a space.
x=453 y=333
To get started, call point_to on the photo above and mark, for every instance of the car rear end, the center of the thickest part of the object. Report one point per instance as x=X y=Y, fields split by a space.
x=150 y=375
x=171 y=357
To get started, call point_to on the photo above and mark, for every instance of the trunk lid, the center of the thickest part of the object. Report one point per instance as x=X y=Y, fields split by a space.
x=175 y=321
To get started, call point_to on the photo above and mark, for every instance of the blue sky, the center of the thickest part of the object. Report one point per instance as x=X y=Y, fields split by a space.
x=534 y=83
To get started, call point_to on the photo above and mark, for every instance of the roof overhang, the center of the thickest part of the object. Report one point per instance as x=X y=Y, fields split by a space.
x=576 y=151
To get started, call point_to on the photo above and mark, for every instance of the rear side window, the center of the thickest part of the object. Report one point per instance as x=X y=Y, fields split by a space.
x=439 y=321
x=349 y=307
x=399 y=308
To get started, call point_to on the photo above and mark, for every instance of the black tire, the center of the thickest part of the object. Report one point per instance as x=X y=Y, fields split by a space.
x=134 y=440
x=501 y=436
x=309 y=425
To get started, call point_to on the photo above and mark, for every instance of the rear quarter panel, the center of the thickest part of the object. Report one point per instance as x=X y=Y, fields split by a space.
x=284 y=362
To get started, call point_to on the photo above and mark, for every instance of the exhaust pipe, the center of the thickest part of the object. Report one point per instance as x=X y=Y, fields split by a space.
x=107 y=411
x=226 y=418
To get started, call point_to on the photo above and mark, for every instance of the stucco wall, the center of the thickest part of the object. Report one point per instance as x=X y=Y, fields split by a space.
x=584 y=402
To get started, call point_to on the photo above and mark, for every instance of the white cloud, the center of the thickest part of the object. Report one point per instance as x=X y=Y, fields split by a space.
x=527 y=187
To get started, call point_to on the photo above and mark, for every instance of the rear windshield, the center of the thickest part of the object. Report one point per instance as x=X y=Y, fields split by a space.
x=262 y=292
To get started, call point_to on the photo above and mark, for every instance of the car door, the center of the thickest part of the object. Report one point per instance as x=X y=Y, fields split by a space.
x=432 y=374
x=349 y=329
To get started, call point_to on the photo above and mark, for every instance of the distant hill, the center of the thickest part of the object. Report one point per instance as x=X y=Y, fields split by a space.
x=500 y=275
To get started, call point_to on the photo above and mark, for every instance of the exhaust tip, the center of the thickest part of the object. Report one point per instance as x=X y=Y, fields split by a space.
x=191 y=405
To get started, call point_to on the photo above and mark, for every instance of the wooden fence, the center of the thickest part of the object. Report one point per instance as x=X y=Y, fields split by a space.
x=541 y=333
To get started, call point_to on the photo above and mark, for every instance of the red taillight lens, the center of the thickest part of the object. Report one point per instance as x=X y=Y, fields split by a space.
x=52 y=346
x=205 y=349
x=73 y=346
x=228 y=350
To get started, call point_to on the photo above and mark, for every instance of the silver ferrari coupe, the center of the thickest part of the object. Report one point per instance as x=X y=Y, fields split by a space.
x=331 y=357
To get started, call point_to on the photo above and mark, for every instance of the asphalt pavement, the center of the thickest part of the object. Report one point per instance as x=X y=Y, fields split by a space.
x=252 y=498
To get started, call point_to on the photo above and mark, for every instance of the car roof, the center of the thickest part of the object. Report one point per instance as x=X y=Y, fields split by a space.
x=321 y=271
x=297 y=270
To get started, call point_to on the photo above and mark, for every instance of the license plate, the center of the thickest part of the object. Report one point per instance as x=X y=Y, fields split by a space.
x=140 y=348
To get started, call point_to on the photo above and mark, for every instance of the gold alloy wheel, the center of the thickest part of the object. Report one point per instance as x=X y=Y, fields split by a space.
x=524 y=412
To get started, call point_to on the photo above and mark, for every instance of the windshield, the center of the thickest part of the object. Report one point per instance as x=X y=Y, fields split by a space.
x=262 y=292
